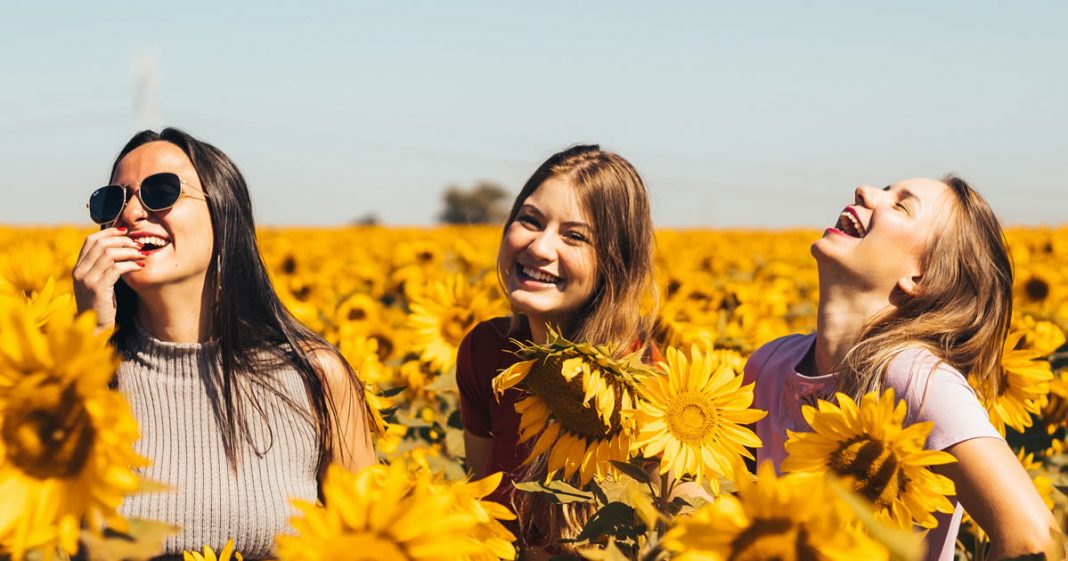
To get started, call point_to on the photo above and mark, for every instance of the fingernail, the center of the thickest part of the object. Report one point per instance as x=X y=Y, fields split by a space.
x=144 y=253
x=121 y=228
x=141 y=264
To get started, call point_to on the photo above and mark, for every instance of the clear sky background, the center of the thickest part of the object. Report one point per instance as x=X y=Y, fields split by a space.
x=736 y=113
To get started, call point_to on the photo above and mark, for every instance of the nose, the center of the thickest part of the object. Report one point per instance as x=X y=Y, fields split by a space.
x=867 y=196
x=133 y=211
x=542 y=247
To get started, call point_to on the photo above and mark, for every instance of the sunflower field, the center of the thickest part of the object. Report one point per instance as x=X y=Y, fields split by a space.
x=655 y=456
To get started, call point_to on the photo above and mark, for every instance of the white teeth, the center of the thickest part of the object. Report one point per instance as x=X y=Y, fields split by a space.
x=538 y=275
x=158 y=242
x=856 y=228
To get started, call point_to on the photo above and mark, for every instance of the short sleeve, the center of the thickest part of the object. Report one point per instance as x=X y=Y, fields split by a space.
x=475 y=390
x=756 y=361
x=935 y=391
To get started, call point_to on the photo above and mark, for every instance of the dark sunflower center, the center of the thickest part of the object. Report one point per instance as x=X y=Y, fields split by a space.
x=1056 y=410
x=455 y=326
x=773 y=539
x=302 y=292
x=385 y=346
x=46 y=430
x=1037 y=289
x=357 y=314
x=289 y=265
x=564 y=400
x=874 y=467
x=692 y=417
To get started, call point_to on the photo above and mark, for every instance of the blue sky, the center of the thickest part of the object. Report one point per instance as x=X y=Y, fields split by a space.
x=736 y=113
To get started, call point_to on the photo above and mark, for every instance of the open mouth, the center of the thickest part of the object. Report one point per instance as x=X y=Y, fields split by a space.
x=151 y=243
x=850 y=225
x=531 y=274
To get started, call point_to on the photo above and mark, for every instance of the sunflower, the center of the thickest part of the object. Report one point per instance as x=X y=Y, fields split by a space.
x=1023 y=389
x=42 y=303
x=357 y=314
x=398 y=513
x=362 y=354
x=1039 y=335
x=1036 y=285
x=885 y=461
x=680 y=323
x=794 y=517
x=209 y=554
x=1055 y=406
x=27 y=267
x=575 y=395
x=441 y=317
x=692 y=416
x=66 y=440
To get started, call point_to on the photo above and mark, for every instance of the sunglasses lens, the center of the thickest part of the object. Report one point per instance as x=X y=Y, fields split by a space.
x=105 y=203
x=161 y=191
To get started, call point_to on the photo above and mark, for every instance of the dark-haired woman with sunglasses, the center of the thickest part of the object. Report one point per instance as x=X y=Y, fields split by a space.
x=240 y=406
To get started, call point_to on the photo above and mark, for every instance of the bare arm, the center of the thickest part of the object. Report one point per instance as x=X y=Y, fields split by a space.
x=477 y=450
x=997 y=492
x=351 y=432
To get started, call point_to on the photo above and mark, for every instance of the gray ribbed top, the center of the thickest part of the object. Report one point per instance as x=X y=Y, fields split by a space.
x=165 y=384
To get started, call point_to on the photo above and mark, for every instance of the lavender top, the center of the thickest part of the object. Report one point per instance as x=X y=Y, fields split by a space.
x=933 y=391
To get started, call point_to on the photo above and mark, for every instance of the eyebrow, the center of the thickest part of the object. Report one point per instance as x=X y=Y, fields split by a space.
x=905 y=193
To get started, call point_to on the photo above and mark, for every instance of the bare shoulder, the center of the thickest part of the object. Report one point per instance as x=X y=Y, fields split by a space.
x=334 y=369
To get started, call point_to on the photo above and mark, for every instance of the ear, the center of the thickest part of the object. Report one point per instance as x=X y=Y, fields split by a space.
x=910 y=286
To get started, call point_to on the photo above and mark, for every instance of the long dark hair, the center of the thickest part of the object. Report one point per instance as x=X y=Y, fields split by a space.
x=252 y=328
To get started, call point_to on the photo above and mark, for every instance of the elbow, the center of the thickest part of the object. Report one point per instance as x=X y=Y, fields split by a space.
x=1042 y=537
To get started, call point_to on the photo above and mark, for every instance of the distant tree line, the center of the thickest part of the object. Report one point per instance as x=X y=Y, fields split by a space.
x=485 y=203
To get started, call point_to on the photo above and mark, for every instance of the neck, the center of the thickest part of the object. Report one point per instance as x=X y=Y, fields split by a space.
x=539 y=327
x=539 y=332
x=843 y=311
x=176 y=313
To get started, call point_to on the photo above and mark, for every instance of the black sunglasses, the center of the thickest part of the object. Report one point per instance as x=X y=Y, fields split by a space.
x=158 y=192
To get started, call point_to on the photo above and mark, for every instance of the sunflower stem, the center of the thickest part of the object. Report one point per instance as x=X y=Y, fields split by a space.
x=665 y=489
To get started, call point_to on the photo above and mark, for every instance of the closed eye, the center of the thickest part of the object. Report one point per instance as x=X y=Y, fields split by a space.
x=529 y=221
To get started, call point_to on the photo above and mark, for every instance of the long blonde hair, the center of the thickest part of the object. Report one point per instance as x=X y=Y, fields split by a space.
x=963 y=308
x=614 y=197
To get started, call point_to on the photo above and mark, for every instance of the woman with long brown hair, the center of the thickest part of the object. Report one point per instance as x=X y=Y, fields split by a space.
x=576 y=256
x=915 y=294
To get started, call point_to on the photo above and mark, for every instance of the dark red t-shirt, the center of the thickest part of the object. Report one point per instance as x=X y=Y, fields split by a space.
x=483 y=354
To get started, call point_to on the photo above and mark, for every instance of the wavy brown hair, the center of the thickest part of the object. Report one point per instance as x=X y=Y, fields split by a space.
x=962 y=311
x=614 y=198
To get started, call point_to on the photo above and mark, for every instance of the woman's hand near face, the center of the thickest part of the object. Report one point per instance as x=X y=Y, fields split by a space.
x=105 y=256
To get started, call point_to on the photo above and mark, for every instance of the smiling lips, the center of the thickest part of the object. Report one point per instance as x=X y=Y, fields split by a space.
x=536 y=275
x=149 y=242
x=849 y=224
